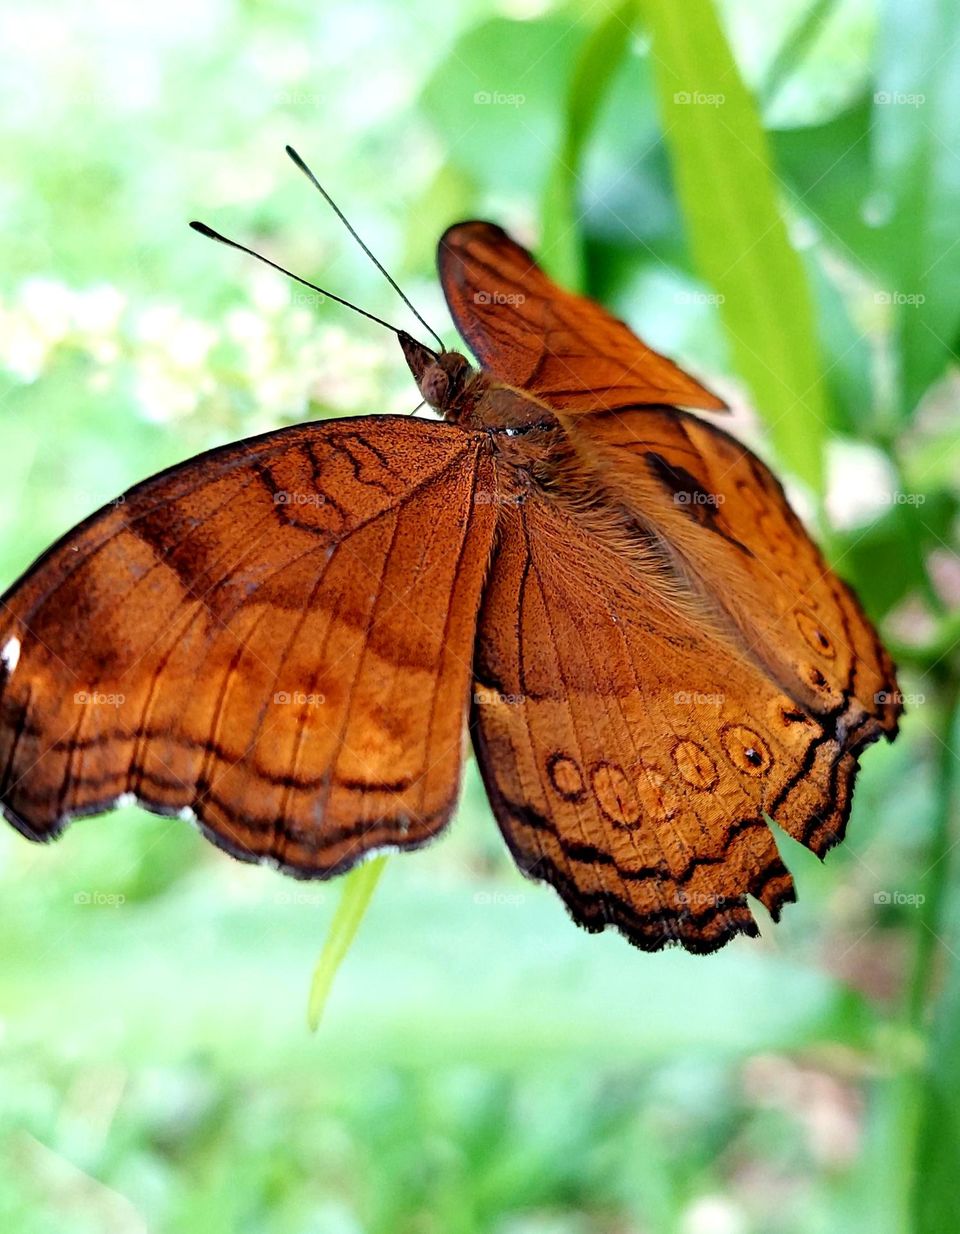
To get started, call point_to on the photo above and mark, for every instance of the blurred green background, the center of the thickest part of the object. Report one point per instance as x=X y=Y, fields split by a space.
x=769 y=193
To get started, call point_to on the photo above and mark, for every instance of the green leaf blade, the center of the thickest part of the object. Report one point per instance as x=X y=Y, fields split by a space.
x=358 y=889
x=728 y=192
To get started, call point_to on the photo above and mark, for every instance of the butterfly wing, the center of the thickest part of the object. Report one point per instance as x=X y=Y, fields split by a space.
x=732 y=534
x=631 y=747
x=562 y=348
x=275 y=637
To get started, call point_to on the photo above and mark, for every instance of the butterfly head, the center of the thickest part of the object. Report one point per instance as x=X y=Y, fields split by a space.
x=443 y=376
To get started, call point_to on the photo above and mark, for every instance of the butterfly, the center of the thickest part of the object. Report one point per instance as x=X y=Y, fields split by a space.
x=285 y=639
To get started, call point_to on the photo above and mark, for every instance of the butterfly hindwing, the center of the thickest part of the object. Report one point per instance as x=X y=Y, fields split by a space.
x=631 y=750
x=732 y=533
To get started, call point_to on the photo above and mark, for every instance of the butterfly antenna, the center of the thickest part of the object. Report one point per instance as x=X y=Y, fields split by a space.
x=204 y=230
x=353 y=232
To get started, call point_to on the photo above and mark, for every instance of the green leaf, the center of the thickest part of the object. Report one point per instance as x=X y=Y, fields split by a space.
x=358 y=887
x=917 y=135
x=593 y=74
x=727 y=188
x=846 y=353
x=822 y=61
x=794 y=49
x=825 y=169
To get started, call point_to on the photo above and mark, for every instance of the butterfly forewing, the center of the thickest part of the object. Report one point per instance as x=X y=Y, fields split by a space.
x=276 y=637
x=529 y=333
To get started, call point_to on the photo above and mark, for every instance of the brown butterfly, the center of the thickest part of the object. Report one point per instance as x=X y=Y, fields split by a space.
x=282 y=638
